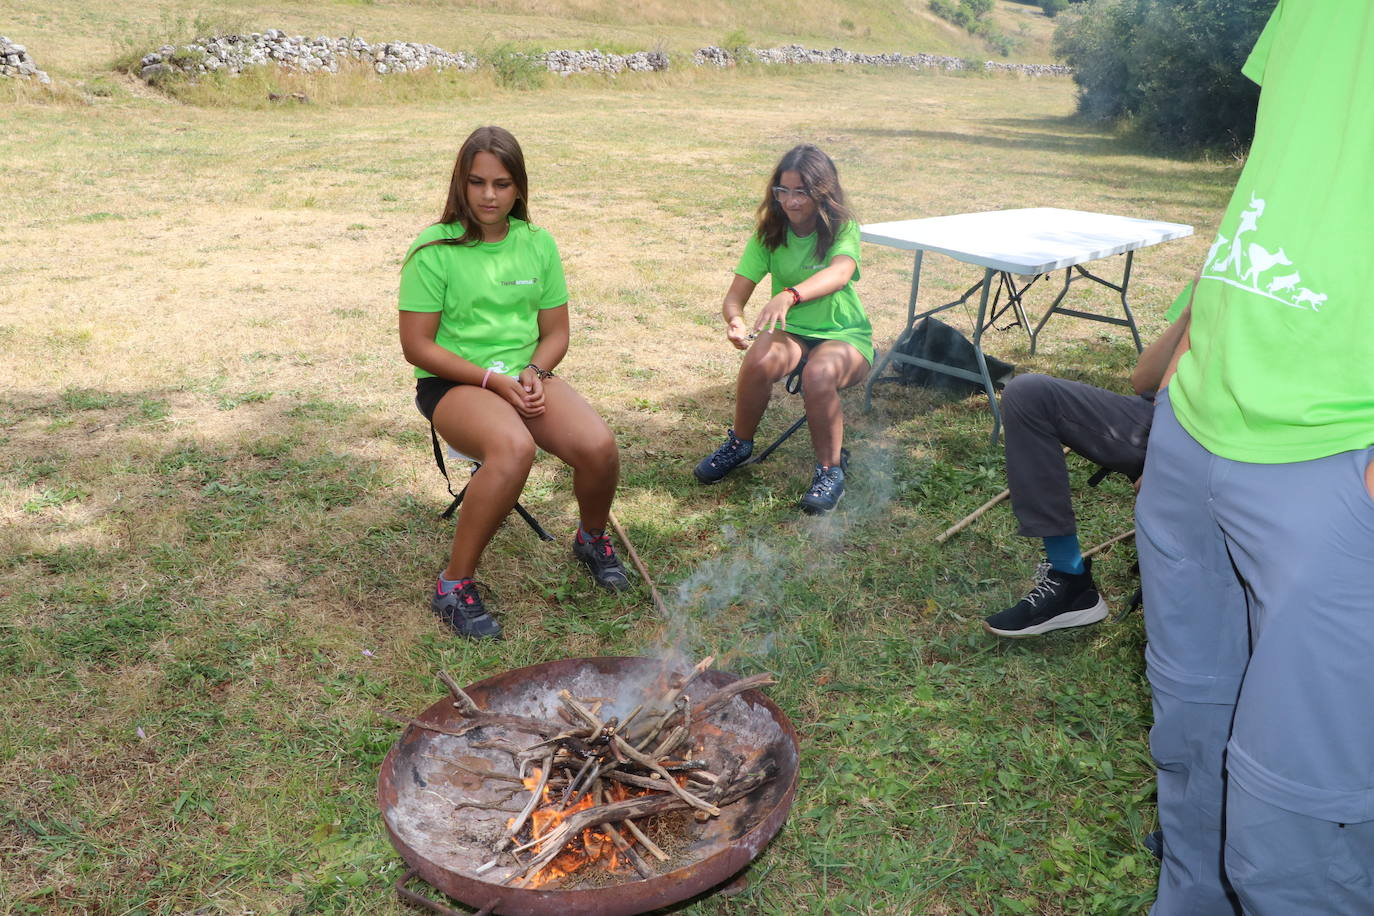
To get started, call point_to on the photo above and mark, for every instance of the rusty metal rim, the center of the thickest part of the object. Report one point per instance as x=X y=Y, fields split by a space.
x=624 y=899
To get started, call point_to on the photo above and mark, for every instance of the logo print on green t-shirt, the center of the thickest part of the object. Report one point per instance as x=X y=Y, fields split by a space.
x=1245 y=265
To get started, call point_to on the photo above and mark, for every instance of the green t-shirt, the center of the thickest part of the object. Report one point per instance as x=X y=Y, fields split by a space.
x=838 y=316
x=489 y=294
x=1282 y=336
x=1179 y=304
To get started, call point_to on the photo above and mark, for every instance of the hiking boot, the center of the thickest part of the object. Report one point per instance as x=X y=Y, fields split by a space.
x=827 y=486
x=462 y=611
x=1058 y=600
x=1155 y=843
x=723 y=460
x=596 y=553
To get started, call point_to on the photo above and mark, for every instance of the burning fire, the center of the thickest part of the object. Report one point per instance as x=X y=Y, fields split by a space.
x=600 y=776
x=595 y=846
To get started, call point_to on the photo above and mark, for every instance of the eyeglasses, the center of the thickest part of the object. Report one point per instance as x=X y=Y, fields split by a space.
x=781 y=194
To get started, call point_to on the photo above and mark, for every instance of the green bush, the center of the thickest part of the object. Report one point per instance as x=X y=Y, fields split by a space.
x=970 y=15
x=739 y=45
x=1171 y=67
x=515 y=68
x=172 y=29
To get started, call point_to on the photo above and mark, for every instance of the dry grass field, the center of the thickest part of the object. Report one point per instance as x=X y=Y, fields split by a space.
x=217 y=501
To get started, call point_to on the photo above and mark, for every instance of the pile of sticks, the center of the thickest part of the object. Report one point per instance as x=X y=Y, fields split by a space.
x=649 y=750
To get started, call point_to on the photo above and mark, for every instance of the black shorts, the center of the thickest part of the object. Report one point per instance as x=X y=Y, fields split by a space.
x=429 y=392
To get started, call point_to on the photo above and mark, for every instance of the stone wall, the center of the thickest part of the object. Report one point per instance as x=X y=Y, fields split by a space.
x=565 y=62
x=232 y=53
x=796 y=54
x=15 y=62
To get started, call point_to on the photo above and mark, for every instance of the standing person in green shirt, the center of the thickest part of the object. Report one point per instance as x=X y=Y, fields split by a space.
x=1255 y=523
x=808 y=241
x=484 y=320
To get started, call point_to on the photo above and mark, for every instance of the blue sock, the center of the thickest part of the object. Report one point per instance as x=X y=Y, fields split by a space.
x=448 y=585
x=1064 y=554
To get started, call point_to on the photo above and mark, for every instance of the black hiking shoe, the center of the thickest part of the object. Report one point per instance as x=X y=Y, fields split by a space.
x=597 y=554
x=827 y=486
x=1058 y=600
x=463 y=612
x=1155 y=843
x=725 y=459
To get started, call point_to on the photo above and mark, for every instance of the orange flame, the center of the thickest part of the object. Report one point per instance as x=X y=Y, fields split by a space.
x=595 y=845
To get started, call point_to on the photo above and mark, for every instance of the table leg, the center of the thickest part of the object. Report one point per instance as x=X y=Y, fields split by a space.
x=1015 y=300
x=886 y=358
x=915 y=288
x=982 y=376
x=982 y=362
x=1057 y=308
x=1054 y=306
x=1126 y=306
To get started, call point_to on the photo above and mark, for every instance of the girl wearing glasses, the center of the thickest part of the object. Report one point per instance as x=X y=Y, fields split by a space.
x=807 y=240
x=484 y=320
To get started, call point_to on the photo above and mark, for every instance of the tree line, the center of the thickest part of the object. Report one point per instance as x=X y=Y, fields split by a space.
x=1167 y=69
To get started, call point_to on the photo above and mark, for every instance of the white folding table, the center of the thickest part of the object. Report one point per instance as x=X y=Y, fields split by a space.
x=1015 y=248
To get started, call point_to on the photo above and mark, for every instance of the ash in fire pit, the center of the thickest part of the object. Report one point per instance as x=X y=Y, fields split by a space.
x=569 y=768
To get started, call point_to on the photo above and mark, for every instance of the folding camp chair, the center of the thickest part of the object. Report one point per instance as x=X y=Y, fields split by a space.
x=792 y=385
x=476 y=465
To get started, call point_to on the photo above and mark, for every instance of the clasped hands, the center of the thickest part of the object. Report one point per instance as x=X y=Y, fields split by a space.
x=525 y=393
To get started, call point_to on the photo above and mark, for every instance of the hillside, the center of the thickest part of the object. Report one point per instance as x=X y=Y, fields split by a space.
x=77 y=38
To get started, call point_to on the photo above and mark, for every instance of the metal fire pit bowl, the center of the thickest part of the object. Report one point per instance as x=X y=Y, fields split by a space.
x=427 y=775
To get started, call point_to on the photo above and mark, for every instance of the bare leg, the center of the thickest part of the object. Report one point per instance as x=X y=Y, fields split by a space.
x=482 y=425
x=831 y=367
x=772 y=356
x=570 y=429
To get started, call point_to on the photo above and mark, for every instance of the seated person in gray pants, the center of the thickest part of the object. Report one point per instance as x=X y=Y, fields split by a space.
x=1041 y=414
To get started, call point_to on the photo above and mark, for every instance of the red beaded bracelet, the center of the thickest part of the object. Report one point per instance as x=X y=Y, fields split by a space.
x=796 y=296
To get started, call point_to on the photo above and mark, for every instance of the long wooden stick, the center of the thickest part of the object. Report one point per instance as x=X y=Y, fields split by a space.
x=1105 y=544
x=639 y=565
x=972 y=517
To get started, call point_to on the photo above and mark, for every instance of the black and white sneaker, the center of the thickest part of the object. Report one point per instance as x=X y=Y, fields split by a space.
x=734 y=452
x=1058 y=600
x=463 y=612
x=827 y=486
x=596 y=553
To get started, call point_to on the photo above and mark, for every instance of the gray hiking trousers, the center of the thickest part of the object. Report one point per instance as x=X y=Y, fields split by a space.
x=1259 y=613
x=1041 y=414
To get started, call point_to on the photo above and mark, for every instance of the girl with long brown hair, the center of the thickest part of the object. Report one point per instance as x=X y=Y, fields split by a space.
x=808 y=240
x=484 y=321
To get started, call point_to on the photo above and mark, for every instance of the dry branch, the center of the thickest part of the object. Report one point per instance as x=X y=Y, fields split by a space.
x=629 y=809
x=734 y=688
x=1105 y=544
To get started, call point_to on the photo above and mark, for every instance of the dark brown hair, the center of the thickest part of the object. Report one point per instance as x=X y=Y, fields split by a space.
x=822 y=183
x=502 y=144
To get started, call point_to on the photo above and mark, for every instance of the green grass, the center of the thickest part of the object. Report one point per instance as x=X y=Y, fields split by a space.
x=216 y=494
x=942 y=771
